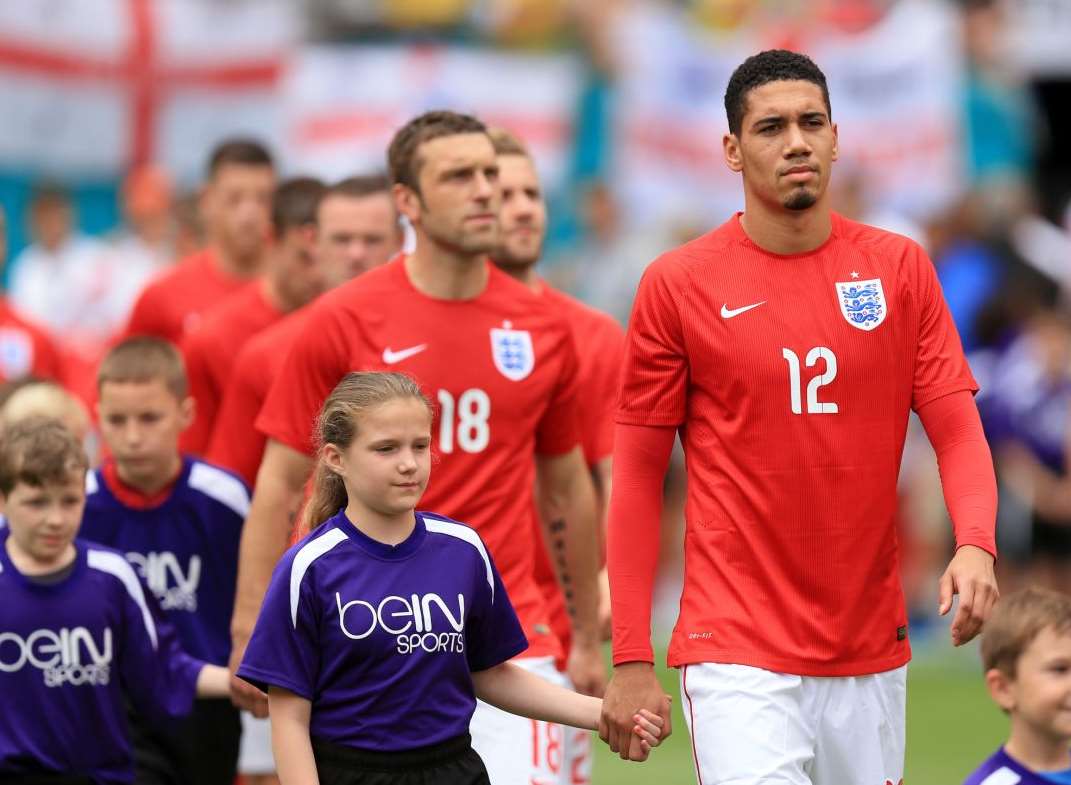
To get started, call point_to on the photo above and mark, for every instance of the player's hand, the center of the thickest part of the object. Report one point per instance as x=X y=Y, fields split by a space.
x=970 y=575
x=633 y=687
x=586 y=668
x=243 y=694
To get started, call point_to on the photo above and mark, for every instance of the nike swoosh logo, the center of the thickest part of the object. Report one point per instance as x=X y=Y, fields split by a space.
x=729 y=313
x=390 y=357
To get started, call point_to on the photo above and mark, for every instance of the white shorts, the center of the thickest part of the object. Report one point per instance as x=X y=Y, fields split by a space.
x=254 y=754
x=520 y=751
x=755 y=727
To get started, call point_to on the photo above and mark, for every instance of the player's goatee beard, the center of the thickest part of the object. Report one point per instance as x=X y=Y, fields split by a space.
x=800 y=200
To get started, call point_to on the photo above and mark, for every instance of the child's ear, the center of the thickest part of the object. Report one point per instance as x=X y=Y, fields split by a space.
x=332 y=457
x=187 y=412
x=1000 y=689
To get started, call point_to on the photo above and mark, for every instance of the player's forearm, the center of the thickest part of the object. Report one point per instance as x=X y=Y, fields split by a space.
x=265 y=537
x=290 y=741
x=571 y=532
x=513 y=689
x=966 y=466
x=213 y=681
x=641 y=457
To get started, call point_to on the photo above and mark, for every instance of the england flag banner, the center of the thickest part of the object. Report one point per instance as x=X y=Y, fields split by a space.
x=344 y=103
x=90 y=87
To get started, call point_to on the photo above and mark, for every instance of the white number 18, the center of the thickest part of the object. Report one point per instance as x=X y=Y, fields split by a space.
x=814 y=406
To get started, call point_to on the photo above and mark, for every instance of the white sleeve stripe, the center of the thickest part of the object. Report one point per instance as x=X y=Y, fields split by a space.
x=468 y=535
x=92 y=486
x=1002 y=776
x=225 y=488
x=310 y=552
x=114 y=564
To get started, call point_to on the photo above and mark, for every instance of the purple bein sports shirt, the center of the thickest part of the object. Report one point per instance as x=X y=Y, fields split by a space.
x=185 y=549
x=382 y=639
x=1002 y=769
x=69 y=652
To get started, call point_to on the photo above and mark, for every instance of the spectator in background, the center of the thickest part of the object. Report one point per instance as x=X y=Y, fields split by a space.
x=60 y=279
x=236 y=207
x=25 y=348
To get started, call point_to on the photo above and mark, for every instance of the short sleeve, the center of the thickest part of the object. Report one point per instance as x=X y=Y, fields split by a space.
x=236 y=444
x=284 y=649
x=493 y=634
x=202 y=389
x=317 y=361
x=600 y=397
x=558 y=431
x=654 y=378
x=940 y=365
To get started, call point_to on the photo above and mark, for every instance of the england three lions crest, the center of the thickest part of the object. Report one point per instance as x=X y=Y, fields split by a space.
x=862 y=303
x=512 y=351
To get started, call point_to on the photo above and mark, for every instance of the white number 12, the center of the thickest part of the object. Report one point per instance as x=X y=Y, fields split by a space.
x=814 y=406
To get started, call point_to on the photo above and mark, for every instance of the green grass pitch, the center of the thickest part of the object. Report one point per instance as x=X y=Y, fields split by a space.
x=952 y=726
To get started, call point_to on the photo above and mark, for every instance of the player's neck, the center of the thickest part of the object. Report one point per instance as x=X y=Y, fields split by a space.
x=1037 y=751
x=236 y=266
x=387 y=529
x=152 y=483
x=524 y=274
x=444 y=274
x=275 y=293
x=28 y=564
x=782 y=231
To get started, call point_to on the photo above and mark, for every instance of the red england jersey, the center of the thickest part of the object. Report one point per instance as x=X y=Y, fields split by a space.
x=501 y=371
x=600 y=344
x=236 y=444
x=175 y=300
x=25 y=348
x=210 y=349
x=791 y=379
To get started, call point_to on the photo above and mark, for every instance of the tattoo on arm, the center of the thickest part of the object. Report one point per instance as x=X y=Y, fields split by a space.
x=557 y=531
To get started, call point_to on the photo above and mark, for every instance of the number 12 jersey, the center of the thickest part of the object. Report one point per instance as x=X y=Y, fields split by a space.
x=791 y=379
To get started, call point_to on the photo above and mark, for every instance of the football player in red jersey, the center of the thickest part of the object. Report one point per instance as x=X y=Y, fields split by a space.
x=600 y=343
x=788 y=347
x=236 y=205
x=357 y=230
x=501 y=366
x=293 y=277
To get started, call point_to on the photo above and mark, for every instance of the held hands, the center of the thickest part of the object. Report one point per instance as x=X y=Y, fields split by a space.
x=243 y=694
x=622 y=724
x=970 y=575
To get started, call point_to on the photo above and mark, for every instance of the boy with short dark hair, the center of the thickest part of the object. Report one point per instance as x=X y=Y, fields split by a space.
x=1026 y=652
x=79 y=636
x=178 y=521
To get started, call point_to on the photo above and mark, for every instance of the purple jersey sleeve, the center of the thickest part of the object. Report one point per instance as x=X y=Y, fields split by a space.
x=157 y=675
x=1001 y=769
x=284 y=649
x=493 y=634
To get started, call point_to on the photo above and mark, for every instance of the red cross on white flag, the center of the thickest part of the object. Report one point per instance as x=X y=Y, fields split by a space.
x=91 y=86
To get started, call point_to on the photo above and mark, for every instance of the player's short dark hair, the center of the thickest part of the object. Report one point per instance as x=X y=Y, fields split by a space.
x=359 y=186
x=507 y=143
x=1017 y=620
x=37 y=451
x=773 y=65
x=295 y=202
x=242 y=151
x=403 y=158
x=145 y=358
x=49 y=194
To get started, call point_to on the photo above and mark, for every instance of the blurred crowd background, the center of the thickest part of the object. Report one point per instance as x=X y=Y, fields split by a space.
x=953 y=124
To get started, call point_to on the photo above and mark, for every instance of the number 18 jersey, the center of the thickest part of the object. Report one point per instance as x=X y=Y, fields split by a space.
x=500 y=371
x=791 y=379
